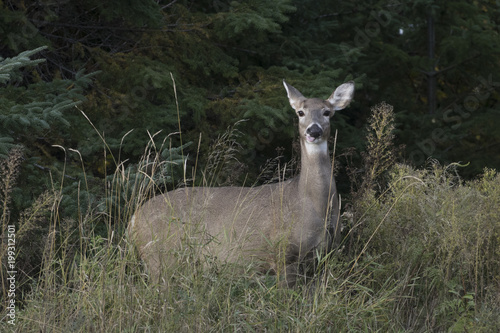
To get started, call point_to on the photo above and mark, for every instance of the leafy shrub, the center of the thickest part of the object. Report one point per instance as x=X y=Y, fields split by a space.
x=439 y=237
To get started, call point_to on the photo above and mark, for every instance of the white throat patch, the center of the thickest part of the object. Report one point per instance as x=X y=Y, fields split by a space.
x=316 y=148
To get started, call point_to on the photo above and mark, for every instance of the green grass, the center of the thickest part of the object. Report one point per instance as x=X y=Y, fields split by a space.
x=425 y=258
x=420 y=253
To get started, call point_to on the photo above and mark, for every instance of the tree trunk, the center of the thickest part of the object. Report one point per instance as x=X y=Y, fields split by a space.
x=431 y=76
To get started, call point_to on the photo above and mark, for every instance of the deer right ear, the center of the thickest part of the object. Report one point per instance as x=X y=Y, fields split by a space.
x=294 y=96
x=342 y=96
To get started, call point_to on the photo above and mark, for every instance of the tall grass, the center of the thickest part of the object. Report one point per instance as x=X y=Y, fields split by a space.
x=423 y=256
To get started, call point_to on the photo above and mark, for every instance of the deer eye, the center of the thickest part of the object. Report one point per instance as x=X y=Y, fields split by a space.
x=301 y=113
x=326 y=113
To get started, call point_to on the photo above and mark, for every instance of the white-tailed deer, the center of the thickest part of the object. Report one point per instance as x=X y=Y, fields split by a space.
x=276 y=226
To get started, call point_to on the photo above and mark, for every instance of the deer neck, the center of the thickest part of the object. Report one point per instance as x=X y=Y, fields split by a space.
x=316 y=180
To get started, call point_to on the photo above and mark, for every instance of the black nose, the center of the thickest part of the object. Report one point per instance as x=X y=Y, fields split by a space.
x=315 y=131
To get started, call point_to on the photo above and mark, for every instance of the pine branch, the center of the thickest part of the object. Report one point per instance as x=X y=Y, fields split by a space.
x=10 y=65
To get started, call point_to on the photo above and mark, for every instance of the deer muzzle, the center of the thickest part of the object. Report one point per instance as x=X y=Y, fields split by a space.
x=313 y=132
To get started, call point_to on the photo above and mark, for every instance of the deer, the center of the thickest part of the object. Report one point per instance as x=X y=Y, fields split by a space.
x=274 y=226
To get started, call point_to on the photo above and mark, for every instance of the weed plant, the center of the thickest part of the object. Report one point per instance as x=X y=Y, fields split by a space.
x=420 y=253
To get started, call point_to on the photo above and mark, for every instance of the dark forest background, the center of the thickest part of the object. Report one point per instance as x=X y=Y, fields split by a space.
x=104 y=103
x=86 y=84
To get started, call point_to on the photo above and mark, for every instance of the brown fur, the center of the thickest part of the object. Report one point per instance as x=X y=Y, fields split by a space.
x=275 y=226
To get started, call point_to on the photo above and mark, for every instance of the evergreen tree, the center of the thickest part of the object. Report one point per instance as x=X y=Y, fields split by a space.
x=228 y=59
x=9 y=70
x=435 y=61
x=36 y=117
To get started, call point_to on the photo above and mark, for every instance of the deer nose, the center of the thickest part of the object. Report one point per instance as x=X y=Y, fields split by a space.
x=315 y=131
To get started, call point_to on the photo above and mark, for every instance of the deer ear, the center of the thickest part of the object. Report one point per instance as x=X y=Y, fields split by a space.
x=342 y=96
x=294 y=96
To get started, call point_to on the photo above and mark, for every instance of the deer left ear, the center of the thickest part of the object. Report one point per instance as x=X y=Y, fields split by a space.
x=294 y=96
x=342 y=96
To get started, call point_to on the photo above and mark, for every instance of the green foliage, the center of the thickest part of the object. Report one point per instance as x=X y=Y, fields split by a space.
x=134 y=13
x=396 y=42
x=171 y=73
x=257 y=17
x=440 y=236
x=420 y=255
x=129 y=186
x=229 y=57
x=36 y=116
x=409 y=271
x=9 y=70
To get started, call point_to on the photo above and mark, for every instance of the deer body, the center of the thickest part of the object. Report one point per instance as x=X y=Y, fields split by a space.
x=276 y=226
